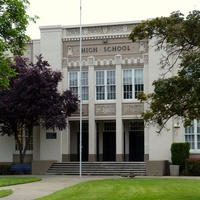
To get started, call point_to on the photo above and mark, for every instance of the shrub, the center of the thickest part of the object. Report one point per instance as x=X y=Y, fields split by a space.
x=192 y=166
x=179 y=152
x=5 y=169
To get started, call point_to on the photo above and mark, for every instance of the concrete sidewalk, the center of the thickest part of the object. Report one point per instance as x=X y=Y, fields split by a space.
x=48 y=185
x=53 y=183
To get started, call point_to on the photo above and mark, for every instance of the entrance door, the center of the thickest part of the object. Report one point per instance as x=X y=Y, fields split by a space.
x=136 y=146
x=109 y=146
x=84 y=146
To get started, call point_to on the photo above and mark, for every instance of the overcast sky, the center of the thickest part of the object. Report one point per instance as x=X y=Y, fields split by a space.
x=67 y=12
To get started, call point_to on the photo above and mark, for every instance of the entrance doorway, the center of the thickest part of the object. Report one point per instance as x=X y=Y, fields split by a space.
x=136 y=142
x=84 y=146
x=109 y=146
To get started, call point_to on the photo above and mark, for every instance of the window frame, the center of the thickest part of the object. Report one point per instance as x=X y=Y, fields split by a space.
x=193 y=131
x=131 y=82
x=79 y=84
x=101 y=83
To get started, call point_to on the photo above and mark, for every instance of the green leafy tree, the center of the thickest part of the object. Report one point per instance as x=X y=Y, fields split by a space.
x=177 y=96
x=13 y=24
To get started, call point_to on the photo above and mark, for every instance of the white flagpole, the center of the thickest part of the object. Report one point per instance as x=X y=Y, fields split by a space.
x=80 y=145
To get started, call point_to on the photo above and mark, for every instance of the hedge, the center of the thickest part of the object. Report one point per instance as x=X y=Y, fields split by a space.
x=192 y=166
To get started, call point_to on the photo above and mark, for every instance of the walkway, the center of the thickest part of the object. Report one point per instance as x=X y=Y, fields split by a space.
x=48 y=185
x=53 y=183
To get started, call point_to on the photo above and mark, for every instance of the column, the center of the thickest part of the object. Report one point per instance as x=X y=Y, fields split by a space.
x=92 y=127
x=66 y=144
x=119 y=123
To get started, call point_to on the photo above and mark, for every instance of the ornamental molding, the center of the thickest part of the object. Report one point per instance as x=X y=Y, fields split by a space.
x=105 y=110
x=146 y=58
x=133 y=109
x=98 y=32
x=117 y=60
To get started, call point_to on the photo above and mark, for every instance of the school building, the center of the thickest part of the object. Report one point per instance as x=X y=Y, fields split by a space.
x=114 y=70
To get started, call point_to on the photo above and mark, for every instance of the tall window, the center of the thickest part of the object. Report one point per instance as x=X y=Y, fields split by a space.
x=132 y=83
x=23 y=135
x=105 y=85
x=74 y=84
x=192 y=135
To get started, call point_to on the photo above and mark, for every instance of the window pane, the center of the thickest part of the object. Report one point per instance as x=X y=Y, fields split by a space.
x=110 y=92
x=73 y=79
x=100 y=92
x=128 y=92
x=189 y=129
x=74 y=84
x=138 y=88
x=110 y=77
x=99 y=77
x=190 y=139
x=198 y=142
x=84 y=81
x=85 y=93
x=138 y=76
x=198 y=126
x=74 y=90
x=127 y=77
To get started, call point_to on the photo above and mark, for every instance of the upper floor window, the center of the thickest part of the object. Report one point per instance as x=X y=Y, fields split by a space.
x=132 y=83
x=192 y=135
x=105 y=85
x=75 y=84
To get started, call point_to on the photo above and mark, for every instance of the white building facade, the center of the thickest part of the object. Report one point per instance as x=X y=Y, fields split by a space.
x=114 y=70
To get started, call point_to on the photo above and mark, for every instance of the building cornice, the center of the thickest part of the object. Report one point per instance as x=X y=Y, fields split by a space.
x=98 y=31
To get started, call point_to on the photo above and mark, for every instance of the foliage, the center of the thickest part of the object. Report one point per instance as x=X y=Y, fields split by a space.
x=34 y=99
x=179 y=153
x=5 y=169
x=178 y=95
x=131 y=189
x=13 y=23
x=192 y=166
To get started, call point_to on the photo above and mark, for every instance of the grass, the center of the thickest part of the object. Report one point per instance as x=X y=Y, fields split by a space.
x=4 y=193
x=130 y=189
x=6 y=181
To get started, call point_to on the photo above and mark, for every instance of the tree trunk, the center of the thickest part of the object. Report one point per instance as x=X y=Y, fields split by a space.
x=22 y=149
x=30 y=133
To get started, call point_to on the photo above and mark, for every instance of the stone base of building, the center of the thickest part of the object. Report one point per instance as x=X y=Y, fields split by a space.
x=157 y=168
x=40 y=167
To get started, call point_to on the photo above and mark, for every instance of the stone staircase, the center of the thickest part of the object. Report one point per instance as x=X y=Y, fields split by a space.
x=98 y=168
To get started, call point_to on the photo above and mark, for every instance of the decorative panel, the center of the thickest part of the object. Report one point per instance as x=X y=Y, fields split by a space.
x=102 y=110
x=132 y=109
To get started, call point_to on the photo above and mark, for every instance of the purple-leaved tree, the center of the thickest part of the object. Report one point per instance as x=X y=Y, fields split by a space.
x=33 y=99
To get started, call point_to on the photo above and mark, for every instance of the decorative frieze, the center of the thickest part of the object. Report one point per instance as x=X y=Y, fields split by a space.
x=105 y=110
x=64 y=62
x=90 y=60
x=84 y=111
x=98 y=32
x=146 y=58
x=132 y=109
x=105 y=62
x=118 y=59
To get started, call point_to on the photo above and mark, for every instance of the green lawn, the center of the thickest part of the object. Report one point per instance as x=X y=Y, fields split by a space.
x=130 y=189
x=6 y=181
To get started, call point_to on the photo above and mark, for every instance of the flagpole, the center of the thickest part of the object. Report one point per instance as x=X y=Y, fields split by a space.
x=80 y=75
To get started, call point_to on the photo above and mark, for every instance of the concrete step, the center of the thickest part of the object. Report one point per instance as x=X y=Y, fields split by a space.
x=98 y=168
